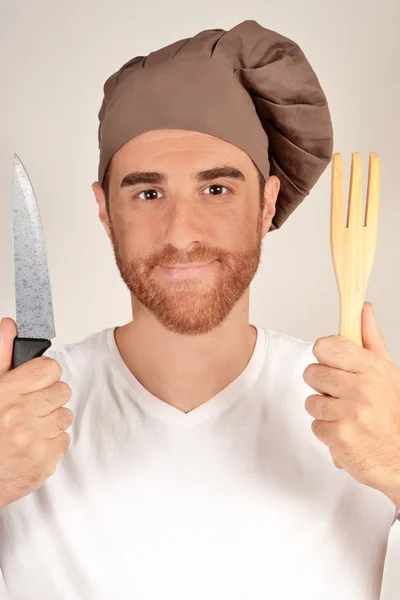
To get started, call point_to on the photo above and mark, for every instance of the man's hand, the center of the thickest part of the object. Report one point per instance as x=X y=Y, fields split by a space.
x=358 y=414
x=32 y=420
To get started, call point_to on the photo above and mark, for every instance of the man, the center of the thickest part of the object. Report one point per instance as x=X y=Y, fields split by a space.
x=192 y=470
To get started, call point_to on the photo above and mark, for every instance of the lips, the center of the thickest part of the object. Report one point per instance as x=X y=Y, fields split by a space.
x=186 y=265
x=187 y=270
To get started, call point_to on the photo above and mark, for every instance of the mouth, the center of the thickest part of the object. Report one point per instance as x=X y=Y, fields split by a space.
x=186 y=270
x=186 y=265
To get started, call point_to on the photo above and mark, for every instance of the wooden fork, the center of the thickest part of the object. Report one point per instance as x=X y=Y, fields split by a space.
x=353 y=244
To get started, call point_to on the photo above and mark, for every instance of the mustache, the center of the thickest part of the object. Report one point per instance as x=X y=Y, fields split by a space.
x=171 y=256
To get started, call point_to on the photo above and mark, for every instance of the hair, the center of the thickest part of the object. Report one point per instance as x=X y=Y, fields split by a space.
x=107 y=175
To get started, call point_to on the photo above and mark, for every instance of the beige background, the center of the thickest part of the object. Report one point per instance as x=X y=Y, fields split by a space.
x=55 y=57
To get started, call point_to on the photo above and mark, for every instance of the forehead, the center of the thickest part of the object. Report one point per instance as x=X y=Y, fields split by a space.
x=171 y=147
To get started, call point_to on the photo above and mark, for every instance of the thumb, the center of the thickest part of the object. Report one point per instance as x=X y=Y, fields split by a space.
x=372 y=335
x=8 y=331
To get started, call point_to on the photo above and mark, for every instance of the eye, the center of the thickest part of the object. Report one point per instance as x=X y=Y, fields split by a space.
x=217 y=189
x=148 y=195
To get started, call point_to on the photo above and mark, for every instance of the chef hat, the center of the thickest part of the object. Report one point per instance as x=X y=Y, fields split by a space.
x=249 y=86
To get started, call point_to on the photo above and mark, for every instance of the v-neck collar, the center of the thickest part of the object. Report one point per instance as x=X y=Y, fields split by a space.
x=212 y=407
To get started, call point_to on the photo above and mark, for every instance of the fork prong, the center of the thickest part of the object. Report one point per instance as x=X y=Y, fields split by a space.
x=337 y=203
x=355 y=212
x=372 y=208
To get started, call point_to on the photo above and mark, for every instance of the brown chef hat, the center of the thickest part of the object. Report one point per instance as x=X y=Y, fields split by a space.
x=249 y=86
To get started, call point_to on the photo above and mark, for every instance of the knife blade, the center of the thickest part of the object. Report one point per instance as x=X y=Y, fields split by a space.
x=34 y=307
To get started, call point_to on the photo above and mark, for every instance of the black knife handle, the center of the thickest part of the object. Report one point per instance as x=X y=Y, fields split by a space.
x=27 y=348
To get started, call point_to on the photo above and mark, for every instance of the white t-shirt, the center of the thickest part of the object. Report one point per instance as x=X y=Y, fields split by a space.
x=235 y=500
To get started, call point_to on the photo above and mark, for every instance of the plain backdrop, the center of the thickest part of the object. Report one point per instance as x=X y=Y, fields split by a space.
x=54 y=59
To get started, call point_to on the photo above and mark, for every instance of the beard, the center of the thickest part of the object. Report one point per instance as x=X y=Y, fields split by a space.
x=191 y=306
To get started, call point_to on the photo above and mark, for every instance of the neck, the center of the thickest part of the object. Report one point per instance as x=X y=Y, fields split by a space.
x=186 y=371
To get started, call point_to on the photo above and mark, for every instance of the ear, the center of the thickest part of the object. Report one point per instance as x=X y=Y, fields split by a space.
x=271 y=192
x=101 y=201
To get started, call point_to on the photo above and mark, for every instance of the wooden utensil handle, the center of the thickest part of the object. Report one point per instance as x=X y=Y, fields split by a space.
x=351 y=307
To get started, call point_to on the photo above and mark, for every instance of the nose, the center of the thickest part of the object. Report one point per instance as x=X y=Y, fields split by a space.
x=183 y=224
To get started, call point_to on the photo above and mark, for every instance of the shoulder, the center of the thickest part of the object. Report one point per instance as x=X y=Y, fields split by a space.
x=290 y=349
x=286 y=359
x=78 y=358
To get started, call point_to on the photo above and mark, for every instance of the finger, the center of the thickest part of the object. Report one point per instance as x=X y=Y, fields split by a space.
x=339 y=352
x=32 y=376
x=324 y=408
x=327 y=380
x=44 y=402
x=59 y=445
x=8 y=331
x=52 y=425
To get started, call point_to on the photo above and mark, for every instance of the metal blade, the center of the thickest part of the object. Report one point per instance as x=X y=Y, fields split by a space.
x=34 y=306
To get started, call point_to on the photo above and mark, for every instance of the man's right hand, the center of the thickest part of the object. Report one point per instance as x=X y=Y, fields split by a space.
x=33 y=419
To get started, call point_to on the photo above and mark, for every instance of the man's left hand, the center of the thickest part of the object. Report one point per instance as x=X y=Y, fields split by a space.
x=358 y=414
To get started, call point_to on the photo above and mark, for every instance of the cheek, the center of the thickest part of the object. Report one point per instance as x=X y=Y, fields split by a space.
x=239 y=215
x=237 y=227
x=133 y=237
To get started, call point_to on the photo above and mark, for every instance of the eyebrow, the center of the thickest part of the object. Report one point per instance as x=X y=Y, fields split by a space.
x=157 y=178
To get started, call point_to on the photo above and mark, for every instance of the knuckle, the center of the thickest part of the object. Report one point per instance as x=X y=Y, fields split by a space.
x=326 y=375
x=364 y=388
x=41 y=399
x=24 y=438
x=342 y=347
x=64 y=390
x=313 y=405
x=318 y=345
x=53 y=367
x=36 y=367
x=322 y=374
x=309 y=404
x=10 y=417
x=381 y=367
x=7 y=385
x=46 y=397
x=344 y=436
x=52 y=395
x=42 y=367
x=323 y=409
x=64 y=442
x=65 y=418
x=363 y=416
x=310 y=370
x=49 y=366
x=4 y=384
x=41 y=452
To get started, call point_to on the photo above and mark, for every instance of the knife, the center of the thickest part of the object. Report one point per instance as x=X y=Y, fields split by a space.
x=34 y=307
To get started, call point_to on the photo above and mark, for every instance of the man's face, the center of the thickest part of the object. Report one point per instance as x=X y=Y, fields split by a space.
x=181 y=218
